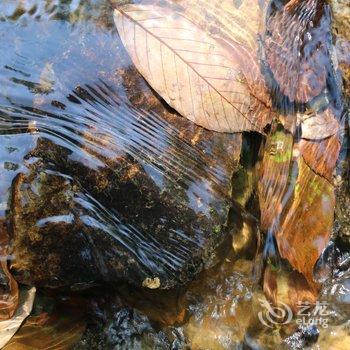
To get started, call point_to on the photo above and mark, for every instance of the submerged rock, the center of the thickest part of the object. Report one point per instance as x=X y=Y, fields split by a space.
x=341 y=14
x=342 y=213
x=341 y=27
x=109 y=184
x=149 y=208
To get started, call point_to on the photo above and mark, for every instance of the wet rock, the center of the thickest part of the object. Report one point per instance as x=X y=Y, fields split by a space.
x=128 y=328
x=48 y=249
x=73 y=225
x=212 y=311
x=108 y=160
x=220 y=307
x=303 y=337
x=341 y=231
x=131 y=329
x=335 y=293
x=113 y=324
x=341 y=15
x=342 y=225
x=341 y=28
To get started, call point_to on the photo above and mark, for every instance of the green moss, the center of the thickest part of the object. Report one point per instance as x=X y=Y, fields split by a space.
x=217 y=229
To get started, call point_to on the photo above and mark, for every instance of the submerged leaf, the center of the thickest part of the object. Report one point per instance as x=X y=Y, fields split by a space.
x=342 y=47
x=288 y=287
x=296 y=47
x=59 y=328
x=198 y=75
x=321 y=156
x=307 y=221
x=296 y=197
x=300 y=65
x=297 y=202
x=9 y=293
x=274 y=173
x=9 y=327
x=319 y=126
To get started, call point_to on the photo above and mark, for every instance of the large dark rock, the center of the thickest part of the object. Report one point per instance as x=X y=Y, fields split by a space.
x=107 y=183
x=148 y=207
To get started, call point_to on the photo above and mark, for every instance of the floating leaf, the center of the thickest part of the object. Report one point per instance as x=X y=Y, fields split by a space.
x=236 y=26
x=222 y=18
x=196 y=74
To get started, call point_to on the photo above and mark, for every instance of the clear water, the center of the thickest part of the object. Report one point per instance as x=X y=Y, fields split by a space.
x=73 y=112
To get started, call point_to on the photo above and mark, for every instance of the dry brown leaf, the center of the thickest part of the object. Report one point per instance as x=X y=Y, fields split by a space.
x=307 y=221
x=235 y=26
x=239 y=23
x=196 y=74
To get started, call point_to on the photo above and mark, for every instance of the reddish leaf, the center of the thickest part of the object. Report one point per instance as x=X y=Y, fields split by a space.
x=307 y=221
x=321 y=156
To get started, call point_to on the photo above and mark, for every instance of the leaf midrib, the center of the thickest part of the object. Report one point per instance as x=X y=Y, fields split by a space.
x=187 y=63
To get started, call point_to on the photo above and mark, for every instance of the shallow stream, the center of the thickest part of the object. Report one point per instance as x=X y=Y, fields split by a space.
x=94 y=169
